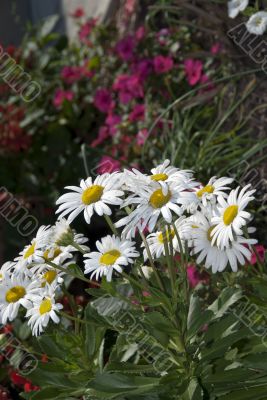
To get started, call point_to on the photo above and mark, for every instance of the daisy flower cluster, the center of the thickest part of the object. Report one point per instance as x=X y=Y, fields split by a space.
x=161 y=214
x=33 y=279
x=257 y=22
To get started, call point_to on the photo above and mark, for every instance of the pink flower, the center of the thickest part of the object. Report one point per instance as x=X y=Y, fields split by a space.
x=108 y=164
x=206 y=80
x=162 y=64
x=112 y=122
x=215 y=49
x=143 y=68
x=195 y=277
x=103 y=134
x=138 y=113
x=140 y=33
x=103 y=100
x=125 y=48
x=61 y=95
x=141 y=137
x=86 y=29
x=71 y=74
x=261 y=254
x=129 y=87
x=78 y=13
x=193 y=70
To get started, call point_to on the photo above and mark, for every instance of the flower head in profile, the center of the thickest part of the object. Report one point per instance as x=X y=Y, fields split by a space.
x=113 y=254
x=91 y=197
x=43 y=309
x=214 y=188
x=236 y=6
x=33 y=253
x=257 y=23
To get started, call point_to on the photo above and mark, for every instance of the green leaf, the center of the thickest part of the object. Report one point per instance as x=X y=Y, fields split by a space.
x=196 y=318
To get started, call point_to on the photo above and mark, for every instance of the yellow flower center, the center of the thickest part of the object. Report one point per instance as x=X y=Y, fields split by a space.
x=229 y=214
x=159 y=177
x=92 y=194
x=205 y=189
x=258 y=21
x=166 y=236
x=30 y=251
x=15 y=293
x=45 y=306
x=194 y=226
x=49 y=277
x=158 y=199
x=56 y=253
x=110 y=257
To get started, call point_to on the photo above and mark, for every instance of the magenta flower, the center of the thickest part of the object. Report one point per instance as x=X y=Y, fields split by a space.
x=143 y=68
x=78 y=13
x=112 y=122
x=138 y=113
x=261 y=254
x=108 y=164
x=61 y=95
x=125 y=48
x=86 y=29
x=215 y=49
x=103 y=100
x=103 y=134
x=195 y=277
x=193 y=71
x=129 y=87
x=140 y=33
x=162 y=64
x=71 y=74
x=141 y=137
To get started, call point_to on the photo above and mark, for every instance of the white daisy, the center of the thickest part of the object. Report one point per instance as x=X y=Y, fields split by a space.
x=91 y=197
x=236 y=6
x=34 y=251
x=153 y=202
x=113 y=254
x=230 y=216
x=156 y=240
x=211 y=255
x=44 y=308
x=214 y=188
x=257 y=23
x=7 y=269
x=64 y=236
x=15 y=291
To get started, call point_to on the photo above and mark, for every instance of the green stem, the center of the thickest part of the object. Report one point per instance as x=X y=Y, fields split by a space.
x=151 y=260
x=78 y=247
x=167 y=235
x=111 y=225
x=67 y=271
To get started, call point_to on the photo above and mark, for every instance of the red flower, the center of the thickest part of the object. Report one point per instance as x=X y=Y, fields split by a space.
x=162 y=64
x=108 y=164
x=260 y=252
x=125 y=48
x=193 y=71
x=103 y=100
x=138 y=113
x=78 y=13
x=195 y=277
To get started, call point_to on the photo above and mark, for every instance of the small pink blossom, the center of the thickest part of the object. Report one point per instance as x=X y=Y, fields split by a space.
x=103 y=134
x=108 y=164
x=193 y=71
x=103 y=100
x=71 y=74
x=129 y=87
x=138 y=113
x=261 y=254
x=215 y=48
x=141 y=137
x=78 y=13
x=140 y=33
x=112 y=122
x=142 y=68
x=195 y=277
x=162 y=64
x=86 y=29
x=61 y=95
x=125 y=48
